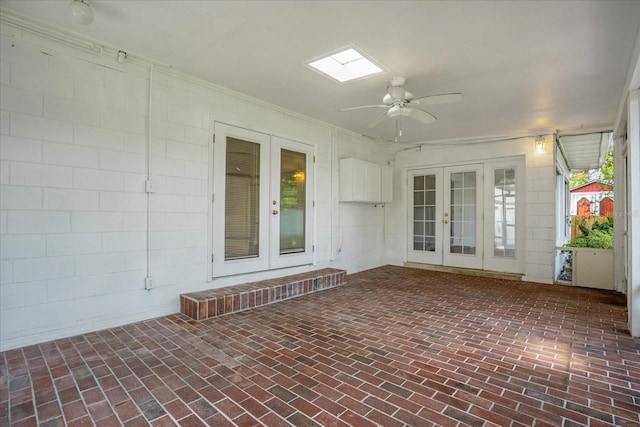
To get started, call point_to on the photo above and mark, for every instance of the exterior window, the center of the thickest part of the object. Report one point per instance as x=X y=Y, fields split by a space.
x=504 y=191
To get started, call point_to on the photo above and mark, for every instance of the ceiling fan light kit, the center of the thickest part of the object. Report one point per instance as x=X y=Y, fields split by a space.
x=398 y=111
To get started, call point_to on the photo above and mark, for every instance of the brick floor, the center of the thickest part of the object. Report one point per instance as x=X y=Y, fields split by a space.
x=393 y=347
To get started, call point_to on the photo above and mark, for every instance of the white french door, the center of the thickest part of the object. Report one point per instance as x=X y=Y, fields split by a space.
x=443 y=216
x=262 y=204
x=467 y=216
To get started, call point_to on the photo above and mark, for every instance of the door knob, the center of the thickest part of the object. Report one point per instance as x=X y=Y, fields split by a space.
x=275 y=212
x=445 y=221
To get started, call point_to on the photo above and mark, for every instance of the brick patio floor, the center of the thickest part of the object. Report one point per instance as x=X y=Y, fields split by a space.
x=395 y=346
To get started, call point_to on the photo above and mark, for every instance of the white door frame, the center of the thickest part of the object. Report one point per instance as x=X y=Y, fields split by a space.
x=269 y=256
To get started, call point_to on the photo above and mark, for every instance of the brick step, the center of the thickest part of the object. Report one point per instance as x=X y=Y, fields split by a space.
x=231 y=299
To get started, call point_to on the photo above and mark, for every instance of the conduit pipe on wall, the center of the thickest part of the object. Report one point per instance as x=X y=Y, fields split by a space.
x=336 y=208
x=332 y=254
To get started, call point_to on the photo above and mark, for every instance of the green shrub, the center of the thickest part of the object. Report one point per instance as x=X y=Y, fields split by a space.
x=599 y=236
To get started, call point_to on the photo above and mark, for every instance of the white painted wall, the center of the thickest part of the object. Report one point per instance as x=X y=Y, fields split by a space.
x=539 y=198
x=74 y=213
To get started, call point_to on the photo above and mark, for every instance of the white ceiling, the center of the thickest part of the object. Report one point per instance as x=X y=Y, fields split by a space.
x=524 y=68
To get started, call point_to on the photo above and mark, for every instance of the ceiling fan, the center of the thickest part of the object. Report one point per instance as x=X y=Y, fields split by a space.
x=401 y=103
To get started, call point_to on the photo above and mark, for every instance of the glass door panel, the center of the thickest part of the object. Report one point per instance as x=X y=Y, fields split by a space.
x=240 y=240
x=293 y=167
x=504 y=205
x=291 y=204
x=504 y=216
x=425 y=229
x=242 y=200
x=463 y=213
x=462 y=247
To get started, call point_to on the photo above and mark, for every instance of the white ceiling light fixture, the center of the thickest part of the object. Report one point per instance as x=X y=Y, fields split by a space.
x=81 y=12
x=344 y=66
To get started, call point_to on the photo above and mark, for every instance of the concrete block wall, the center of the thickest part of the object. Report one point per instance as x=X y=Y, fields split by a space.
x=80 y=135
x=73 y=152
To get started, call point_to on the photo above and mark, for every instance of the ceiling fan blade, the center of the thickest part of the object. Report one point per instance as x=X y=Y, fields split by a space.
x=443 y=98
x=364 y=106
x=377 y=121
x=422 y=116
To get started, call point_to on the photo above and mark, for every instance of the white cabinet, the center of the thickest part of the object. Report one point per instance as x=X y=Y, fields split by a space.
x=593 y=268
x=386 y=185
x=366 y=182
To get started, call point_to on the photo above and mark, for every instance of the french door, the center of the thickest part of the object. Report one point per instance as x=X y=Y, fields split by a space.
x=466 y=216
x=444 y=216
x=262 y=204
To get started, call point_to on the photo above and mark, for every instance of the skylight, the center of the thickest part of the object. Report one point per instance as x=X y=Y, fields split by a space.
x=345 y=66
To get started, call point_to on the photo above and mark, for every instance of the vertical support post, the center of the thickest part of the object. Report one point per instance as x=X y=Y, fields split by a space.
x=633 y=212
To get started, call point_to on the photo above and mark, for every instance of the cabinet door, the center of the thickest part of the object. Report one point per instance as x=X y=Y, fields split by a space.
x=358 y=178
x=365 y=182
x=372 y=173
x=386 y=184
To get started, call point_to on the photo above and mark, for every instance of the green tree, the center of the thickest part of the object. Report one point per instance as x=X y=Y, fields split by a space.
x=578 y=178
x=604 y=173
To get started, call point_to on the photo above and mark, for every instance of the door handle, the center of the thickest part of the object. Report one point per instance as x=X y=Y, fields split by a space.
x=445 y=221
x=275 y=212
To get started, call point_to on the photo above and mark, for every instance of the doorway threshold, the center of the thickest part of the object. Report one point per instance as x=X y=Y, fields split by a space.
x=467 y=271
